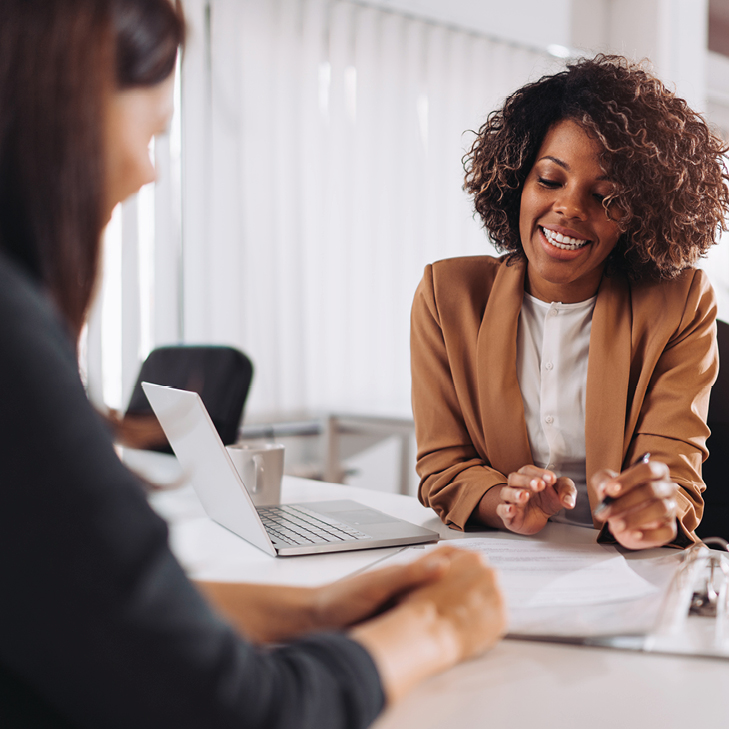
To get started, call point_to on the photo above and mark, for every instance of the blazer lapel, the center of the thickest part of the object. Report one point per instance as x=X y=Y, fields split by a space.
x=502 y=408
x=608 y=375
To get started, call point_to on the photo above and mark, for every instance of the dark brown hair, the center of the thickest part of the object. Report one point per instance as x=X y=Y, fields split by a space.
x=58 y=63
x=148 y=34
x=670 y=180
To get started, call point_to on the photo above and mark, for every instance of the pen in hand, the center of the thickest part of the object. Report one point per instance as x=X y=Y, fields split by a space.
x=603 y=505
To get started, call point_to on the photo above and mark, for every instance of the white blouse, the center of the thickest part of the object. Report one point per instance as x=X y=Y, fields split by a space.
x=553 y=343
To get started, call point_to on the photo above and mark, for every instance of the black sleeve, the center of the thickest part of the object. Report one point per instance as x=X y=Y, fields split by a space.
x=100 y=626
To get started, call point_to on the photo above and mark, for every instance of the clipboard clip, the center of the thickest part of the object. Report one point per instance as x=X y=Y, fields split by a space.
x=694 y=616
x=710 y=600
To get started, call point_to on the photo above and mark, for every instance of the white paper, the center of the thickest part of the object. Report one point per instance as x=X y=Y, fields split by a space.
x=571 y=591
x=543 y=574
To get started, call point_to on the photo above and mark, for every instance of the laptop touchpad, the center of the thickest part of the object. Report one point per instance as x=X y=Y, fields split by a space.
x=361 y=516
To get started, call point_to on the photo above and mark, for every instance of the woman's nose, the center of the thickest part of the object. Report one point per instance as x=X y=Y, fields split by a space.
x=571 y=203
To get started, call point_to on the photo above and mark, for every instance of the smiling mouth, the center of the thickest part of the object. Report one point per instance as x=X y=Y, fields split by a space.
x=563 y=241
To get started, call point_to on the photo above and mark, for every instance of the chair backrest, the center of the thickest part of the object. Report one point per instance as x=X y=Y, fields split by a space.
x=220 y=375
x=715 y=522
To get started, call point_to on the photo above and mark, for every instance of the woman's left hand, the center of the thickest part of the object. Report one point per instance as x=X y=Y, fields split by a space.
x=643 y=514
x=352 y=600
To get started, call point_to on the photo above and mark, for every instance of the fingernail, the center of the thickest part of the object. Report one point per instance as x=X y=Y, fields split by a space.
x=534 y=483
x=613 y=489
x=618 y=524
x=570 y=501
x=637 y=535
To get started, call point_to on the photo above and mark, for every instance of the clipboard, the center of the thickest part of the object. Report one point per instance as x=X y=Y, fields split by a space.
x=693 y=616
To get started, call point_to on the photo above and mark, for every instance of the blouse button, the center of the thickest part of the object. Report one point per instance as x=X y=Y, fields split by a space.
x=553 y=312
x=549 y=420
x=548 y=366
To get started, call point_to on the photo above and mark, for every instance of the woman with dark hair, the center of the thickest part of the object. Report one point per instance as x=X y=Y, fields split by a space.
x=101 y=626
x=579 y=364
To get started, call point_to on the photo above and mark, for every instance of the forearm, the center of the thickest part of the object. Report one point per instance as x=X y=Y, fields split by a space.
x=408 y=645
x=454 y=488
x=265 y=613
x=485 y=512
x=452 y=467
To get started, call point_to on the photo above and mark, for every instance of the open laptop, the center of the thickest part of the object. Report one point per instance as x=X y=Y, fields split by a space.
x=286 y=530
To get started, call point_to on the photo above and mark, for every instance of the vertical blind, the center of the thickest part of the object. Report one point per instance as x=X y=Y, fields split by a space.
x=313 y=170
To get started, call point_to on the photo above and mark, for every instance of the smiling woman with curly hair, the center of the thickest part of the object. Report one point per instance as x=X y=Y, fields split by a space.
x=542 y=379
x=669 y=195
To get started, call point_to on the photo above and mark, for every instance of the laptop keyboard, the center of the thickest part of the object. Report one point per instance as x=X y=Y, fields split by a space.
x=298 y=525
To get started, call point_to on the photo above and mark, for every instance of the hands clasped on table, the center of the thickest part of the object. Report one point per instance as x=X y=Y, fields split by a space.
x=415 y=619
x=451 y=610
x=531 y=496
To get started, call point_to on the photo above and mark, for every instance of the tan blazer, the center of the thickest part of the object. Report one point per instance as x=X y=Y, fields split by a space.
x=653 y=358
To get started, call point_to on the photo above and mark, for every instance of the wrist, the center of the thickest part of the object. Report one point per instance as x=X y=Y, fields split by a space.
x=408 y=644
x=315 y=608
x=485 y=512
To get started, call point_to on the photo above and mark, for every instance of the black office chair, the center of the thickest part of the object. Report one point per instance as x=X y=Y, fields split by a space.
x=715 y=522
x=221 y=375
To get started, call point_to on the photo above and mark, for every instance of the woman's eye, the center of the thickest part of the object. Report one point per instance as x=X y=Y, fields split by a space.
x=550 y=184
x=599 y=197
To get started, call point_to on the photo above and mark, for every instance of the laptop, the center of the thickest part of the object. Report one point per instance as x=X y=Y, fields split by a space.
x=286 y=530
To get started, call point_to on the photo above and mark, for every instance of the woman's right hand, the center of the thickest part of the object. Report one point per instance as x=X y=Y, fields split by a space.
x=530 y=497
x=435 y=626
x=469 y=599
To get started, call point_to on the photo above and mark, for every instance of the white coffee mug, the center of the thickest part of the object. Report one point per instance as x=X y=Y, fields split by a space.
x=261 y=470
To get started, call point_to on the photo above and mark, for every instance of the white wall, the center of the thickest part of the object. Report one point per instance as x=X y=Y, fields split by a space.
x=322 y=171
x=537 y=23
x=671 y=33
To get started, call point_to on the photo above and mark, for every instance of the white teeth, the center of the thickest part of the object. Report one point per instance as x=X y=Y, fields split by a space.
x=563 y=241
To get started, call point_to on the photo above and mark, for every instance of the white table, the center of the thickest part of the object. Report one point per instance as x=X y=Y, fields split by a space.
x=518 y=684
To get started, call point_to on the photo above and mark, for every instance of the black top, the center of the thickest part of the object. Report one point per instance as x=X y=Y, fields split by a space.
x=99 y=625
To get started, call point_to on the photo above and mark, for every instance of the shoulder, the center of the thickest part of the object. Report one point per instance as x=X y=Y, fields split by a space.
x=15 y=285
x=689 y=280
x=666 y=313
x=466 y=272
x=683 y=298
x=26 y=314
x=33 y=334
x=459 y=283
x=79 y=476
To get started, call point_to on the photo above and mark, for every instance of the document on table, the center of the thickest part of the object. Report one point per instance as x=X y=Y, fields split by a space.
x=538 y=574
x=573 y=590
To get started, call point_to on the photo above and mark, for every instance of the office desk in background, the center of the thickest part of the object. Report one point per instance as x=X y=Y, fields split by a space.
x=519 y=684
x=337 y=438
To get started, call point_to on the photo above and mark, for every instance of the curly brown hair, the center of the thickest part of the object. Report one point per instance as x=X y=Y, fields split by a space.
x=670 y=193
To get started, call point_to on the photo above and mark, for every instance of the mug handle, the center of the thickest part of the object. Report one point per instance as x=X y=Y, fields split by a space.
x=259 y=473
